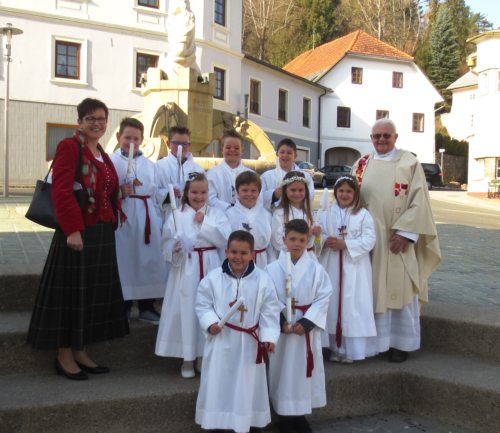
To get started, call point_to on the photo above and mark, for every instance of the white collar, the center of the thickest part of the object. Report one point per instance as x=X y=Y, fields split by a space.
x=389 y=156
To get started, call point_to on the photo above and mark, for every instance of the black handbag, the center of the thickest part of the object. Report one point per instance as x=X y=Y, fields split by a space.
x=41 y=208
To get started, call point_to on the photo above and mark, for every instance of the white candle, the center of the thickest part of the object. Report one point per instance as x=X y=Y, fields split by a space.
x=231 y=311
x=179 y=160
x=288 y=287
x=171 y=194
x=130 y=158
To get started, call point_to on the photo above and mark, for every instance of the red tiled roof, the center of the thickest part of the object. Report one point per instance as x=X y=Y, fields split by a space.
x=313 y=64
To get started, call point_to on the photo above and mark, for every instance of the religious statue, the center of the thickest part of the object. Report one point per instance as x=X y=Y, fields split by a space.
x=181 y=34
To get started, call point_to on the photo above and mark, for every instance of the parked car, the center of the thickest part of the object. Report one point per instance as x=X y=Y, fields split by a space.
x=319 y=178
x=433 y=174
x=333 y=172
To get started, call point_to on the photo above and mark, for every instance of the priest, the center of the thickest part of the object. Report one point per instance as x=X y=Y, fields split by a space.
x=394 y=190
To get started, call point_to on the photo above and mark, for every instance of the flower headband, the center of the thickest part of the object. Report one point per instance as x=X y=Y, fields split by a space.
x=343 y=178
x=293 y=179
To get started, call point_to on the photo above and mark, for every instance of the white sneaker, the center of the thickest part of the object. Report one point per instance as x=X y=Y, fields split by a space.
x=334 y=357
x=199 y=363
x=187 y=370
x=346 y=361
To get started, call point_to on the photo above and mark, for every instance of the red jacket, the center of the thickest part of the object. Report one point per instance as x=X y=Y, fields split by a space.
x=68 y=213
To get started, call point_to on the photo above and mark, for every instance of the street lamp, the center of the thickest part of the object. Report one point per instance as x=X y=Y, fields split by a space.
x=8 y=31
x=441 y=151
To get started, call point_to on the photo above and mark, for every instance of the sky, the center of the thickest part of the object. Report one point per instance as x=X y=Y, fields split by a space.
x=490 y=8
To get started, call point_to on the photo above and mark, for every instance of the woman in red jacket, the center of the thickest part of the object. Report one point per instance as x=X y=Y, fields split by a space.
x=79 y=299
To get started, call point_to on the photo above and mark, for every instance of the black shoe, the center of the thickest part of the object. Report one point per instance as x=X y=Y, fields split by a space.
x=286 y=424
x=301 y=424
x=396 y=355
x=99 y=369
x=255 y=430
x=73 y=376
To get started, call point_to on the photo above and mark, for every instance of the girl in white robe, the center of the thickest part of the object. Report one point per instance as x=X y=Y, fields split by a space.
x=194 y=248
x=296 y=371
x=233 y=391
x=286 y=153
x=348 y=229
x=141 y=267
x=295 y=204
x=249 y=214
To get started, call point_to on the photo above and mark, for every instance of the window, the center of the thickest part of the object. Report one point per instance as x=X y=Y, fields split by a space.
x=306 y=112
x=143 y=62
x=282 y=105
x=254 y=96
x=55 y=133
x=220 y=12
x=149 y=3
x=67 y=60
x=357 y=75
x=397 y=80
x=382 y=114
x=343 y=117
x=220 y=83
x=418 y=122
x=498 y=169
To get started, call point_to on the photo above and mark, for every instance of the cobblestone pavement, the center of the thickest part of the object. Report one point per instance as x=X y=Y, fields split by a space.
x=469 y=273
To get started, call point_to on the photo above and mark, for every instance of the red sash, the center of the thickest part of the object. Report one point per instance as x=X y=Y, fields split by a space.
x=261 y=348
x=310 y=359
x=200 y=252
x=255 y=252
x=147 y=227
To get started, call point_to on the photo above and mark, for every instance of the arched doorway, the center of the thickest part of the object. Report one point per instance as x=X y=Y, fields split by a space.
x=341 y=156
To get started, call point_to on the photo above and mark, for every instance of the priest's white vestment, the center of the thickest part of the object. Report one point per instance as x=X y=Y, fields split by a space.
x=290 y=390
x=141 y=267
x=233 y=388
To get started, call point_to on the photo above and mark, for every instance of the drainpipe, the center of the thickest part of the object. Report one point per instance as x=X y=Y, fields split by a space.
x=318 y=163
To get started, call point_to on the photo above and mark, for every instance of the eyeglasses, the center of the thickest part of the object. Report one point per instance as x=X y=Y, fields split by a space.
x=378 y=136
x=92 y=119
x=181 y=143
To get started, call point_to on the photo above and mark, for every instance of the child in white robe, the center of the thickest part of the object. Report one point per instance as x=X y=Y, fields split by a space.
x=172 y=170
x=286 y=153
x=296 y=372
x=222 y=178
x=249 y=214
x=233 y=389
x=295 y=204
x=192 y=237
x=348 y=229
x=141 y=267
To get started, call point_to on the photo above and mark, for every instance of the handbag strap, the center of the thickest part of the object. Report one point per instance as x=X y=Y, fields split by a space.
x=78 y=169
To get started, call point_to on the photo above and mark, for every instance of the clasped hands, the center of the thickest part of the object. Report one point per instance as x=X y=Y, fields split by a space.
x=296 y=328
x=215 y=329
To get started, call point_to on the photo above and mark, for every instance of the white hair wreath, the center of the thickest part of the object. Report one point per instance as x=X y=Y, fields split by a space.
x=343 y=178
x=293 y=179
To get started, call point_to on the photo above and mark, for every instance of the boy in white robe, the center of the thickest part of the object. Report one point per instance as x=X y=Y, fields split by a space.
x=173 y=170
x=138 y=239
x=286 y=153
x=296 y=372
x=222 y=178
x=249 y=214
x=233 y=389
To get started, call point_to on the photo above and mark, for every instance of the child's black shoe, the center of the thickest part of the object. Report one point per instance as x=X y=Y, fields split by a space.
x=301 y=424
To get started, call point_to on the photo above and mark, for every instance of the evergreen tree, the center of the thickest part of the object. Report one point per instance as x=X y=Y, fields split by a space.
x=445 y=52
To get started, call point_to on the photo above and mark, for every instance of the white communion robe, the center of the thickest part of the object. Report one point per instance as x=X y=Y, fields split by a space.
x=179 y=334
x=271 y=179
x=168 y=171
x=233 y=388
x=290 y=390
x=141 y=267
x=278 y=229
x=221 y=185
x=257 y=221
x=358 y=321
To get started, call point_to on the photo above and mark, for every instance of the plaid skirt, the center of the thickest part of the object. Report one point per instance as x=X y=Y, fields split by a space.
x=79 y=300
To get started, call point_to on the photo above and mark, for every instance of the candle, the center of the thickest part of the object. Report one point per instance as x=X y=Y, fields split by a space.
x=130 y=158
x=231 y=311
x=171 y=194
x=179 y=160
x=288 y=287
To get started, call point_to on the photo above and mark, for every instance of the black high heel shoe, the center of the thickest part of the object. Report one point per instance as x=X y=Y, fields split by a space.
x=72 y=376
x=98 y=369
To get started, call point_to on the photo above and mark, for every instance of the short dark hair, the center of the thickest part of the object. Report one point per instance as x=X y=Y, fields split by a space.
x=241 y=236
x=181 y=130
x=287 y=142
x=90 y=105
x=297 y=225
x=231 y=133
x=132 y=123
x=247 y=178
